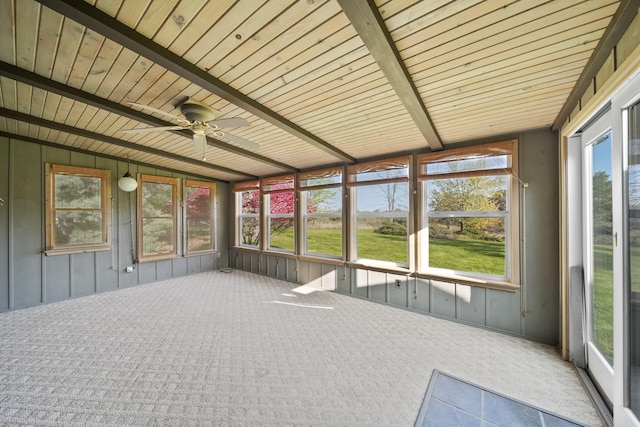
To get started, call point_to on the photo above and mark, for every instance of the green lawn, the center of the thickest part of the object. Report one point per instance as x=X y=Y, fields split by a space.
x=463 y=255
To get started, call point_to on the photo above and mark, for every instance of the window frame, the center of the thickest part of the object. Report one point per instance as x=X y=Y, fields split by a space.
x=239 y=188
x=175 y=197
x=267 y=189
x=510 y=214
x=191 y=183
x=353 y=183
x=50 y=210
x=304 y=186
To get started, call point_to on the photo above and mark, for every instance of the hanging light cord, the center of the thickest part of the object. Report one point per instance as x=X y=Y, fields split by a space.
x=133 y=256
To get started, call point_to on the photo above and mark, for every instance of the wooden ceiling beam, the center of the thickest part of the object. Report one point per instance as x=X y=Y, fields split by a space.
x=16 y=115
x=98 y=21
x=620 y=21
x=368 y=22
x=32 y=79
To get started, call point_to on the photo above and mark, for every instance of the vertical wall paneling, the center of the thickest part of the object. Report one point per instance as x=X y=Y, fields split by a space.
x=470 y=302
x=164 y=268
x=106 y=270
x=378 y=286
x=443 y=298
x=4 y=223
x=503 y=310
x=360 y=283
x=146 y=272
x=343 y=280
x=210 y=262
x=420 y=297
x=83 y=274
x=28 y=277
x=193 y=264
x=57 y=277
x=398 y=287
x=27 y=223
x=126 y=222
x=292 y=270
x=540 y=291
x=329 y=277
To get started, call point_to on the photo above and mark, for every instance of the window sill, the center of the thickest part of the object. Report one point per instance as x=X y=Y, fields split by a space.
x=321 y=260
x=280 y=254
x=470 y=281
x=69 y=251
x=247 y=249
x=381 y=267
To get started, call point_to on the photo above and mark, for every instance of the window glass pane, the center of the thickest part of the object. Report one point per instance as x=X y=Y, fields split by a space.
x=468 y=217
x=74 y=227
x=281 y=220
x=467 y=194
x=199 y=219
x=602 y=247
x=75 y=191
x=484 y=163
x=78 y=208
x=158 y=218
x=475 y=245
x=382 y=222
x=323 y=221
x=157 y=199
x=157 y=236
x=249 y=218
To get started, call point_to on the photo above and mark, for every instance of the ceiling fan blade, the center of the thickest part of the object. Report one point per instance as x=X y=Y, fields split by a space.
x=155 y=110
x=200 y=142
x=241 y=141
x=152 y=129
x=234 y=122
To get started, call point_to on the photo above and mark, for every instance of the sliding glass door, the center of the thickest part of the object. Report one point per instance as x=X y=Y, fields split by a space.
x=633 y=259
x=598 y=238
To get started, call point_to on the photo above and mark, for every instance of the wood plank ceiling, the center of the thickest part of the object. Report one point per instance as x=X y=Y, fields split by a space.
x=321 y=82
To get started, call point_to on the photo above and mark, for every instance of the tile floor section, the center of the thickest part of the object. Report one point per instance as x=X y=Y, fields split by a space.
x=450 y=401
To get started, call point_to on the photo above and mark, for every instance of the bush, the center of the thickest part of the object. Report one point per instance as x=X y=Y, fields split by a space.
x=392 y=228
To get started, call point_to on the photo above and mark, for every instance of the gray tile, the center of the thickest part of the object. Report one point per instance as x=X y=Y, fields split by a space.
x=553 y=421
x=508 y=413
x=440 y=414
x=459 y=394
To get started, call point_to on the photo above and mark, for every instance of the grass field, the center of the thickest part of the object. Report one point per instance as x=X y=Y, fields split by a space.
x=462 y=255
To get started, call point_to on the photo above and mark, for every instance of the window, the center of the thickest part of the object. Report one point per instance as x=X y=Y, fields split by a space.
x=469 y=202
x=248 y=208
x=380 y=204
x=158 y=219
x=280 y=204
x=321 y=194
x=78 y=209
x=199 y=205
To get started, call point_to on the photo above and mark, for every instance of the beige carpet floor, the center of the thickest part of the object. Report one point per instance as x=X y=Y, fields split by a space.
x=234 y=349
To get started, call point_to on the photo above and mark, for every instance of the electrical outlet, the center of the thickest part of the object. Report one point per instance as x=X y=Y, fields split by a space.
x=398 y=283
x=130 y=269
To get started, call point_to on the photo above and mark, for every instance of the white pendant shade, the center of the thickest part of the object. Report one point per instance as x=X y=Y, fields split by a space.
x=127 y=183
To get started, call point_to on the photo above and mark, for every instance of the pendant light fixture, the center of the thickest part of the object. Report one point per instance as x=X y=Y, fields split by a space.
x=127 y=182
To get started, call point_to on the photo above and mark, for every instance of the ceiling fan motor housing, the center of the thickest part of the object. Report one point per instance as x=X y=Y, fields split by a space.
x=197 y=112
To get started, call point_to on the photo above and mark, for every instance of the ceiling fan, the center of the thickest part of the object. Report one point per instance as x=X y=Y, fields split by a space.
x=201 y=120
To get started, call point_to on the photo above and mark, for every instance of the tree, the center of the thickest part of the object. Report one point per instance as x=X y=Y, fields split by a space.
x=602 y=208
x=468 y=194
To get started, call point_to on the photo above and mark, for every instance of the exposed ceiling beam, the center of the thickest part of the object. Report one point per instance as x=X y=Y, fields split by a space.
x=102 y=155
x=29 y=78
x=91 y=17
x=16 y=115
x=619 y=23
x=368 y=22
